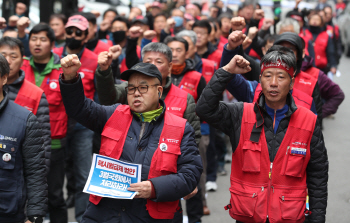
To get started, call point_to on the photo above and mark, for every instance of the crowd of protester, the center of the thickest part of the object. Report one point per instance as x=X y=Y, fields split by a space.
x=188 y=43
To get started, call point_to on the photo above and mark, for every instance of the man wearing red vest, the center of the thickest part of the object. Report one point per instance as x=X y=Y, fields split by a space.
x=178 y=101
x=147 y=132
x=43 y=69
x=183 y=72
x=278 y=156
x=79 y=141
x=23 y=92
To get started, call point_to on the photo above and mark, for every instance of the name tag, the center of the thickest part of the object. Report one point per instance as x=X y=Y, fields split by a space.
x=299 y=151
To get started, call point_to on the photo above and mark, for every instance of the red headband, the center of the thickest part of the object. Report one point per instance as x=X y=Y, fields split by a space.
x=296 y=17
x=280 y=65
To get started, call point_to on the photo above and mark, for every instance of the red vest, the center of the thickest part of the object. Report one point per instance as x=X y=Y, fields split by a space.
x=176 y=101
x=260 y=188
x=301 y=99
x=216 y=57
x=51 y=87
x=305 y=83
x=307 y=36
x=313 y=71
x=333 y=31
x=87 y=70
x=163 y=162
x=101 y=47
x=122 y=66
x=320 y=47
x=190 y=83
x=208 y=69
x=29 y=96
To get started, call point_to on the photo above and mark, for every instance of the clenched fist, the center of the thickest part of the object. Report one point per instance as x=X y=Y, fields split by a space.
x=246 y=43
x=70 y=66
x=258 y=14
x=105 y=59
x=2 y=23
x=252 y=32
x=23 y=23
x=237 y=23
x=267 y=24
x=149 y=34
x=238 y=65
x=135 y=32
x=235 y=39
x=170 y=24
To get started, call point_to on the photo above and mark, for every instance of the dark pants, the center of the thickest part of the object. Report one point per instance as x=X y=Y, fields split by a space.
x=215 y=153
x=55 y=178
x=194 y=207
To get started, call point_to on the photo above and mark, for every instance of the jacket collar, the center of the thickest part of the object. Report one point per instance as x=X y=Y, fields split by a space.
x=159 y=118
x=20 y=79
x=4 y=101
x=261 y=105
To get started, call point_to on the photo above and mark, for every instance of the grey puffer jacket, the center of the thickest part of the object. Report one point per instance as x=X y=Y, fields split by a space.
x=227 y=117
x=110 y=93
x=42 y=115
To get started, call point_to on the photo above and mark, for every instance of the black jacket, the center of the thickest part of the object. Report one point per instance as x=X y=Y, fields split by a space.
x=42 y=114
x=227 y=117
x=23 y=177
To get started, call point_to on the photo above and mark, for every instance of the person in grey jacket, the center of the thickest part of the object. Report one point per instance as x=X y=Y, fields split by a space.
x=156 y=53
x=13 y=51
x=22 y=160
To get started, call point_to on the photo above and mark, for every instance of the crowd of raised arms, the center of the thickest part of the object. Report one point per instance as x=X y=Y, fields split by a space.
x=181 y=89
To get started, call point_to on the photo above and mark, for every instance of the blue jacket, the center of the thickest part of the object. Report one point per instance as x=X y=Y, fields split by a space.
x=140 y=151
x=23 y=176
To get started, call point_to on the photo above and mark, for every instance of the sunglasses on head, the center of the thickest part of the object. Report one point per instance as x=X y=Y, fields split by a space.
x=70 y=31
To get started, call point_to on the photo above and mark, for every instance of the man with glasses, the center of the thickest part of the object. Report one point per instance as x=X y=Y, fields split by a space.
x=79 y=140
x=161 y=142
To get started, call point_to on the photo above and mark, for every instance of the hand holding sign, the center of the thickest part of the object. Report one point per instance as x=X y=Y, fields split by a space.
x=143 y=188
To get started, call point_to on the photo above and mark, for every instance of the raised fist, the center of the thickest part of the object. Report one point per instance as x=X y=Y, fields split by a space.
x=115 y=51
x=13 y=20
x=135 y=32
x=170 y=24
x=235 y=39
x=2 y=23
x=23 y=23
x=267 y=24
x=258 y=14
x=246 y=43
x=252 y=32
x=70 y=66
x=149 y=34
x=237 y=23
x=96 y=13
x=238 y=65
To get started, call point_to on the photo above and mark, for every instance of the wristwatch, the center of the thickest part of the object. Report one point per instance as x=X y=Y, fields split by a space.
x=38 y=219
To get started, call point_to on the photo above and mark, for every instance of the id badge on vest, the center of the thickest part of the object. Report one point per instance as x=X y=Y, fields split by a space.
x=110 y=177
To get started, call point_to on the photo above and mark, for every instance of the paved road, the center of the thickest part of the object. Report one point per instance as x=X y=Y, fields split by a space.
x=337 y=138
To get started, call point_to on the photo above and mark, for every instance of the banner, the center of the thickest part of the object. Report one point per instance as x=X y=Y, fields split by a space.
x=109 y=177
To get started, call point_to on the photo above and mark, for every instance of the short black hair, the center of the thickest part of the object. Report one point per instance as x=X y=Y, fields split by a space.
x=160 y=14
x=43 y=27
x=170 y=39
x=202 y=24
x=281 y=53
x=4 y=66
x=12 y=43
x=224 y=15
x=90 y=17
x=110 y=10
x=122 y=19
x=62 y=17
x=198 y=6
x=269 y=38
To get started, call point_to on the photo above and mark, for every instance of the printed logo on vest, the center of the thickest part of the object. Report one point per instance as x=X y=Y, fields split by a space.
x=82 y=75
x=173 y=141
x=174 y=108
x=53 y=85
x=163 y=147
x=302 y=81
x=87 y=70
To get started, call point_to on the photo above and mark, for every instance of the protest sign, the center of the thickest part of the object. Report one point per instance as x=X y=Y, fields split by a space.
x=110 y=177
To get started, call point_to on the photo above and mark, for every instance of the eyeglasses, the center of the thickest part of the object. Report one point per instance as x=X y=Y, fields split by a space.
x=142 y=89
x=70 y=31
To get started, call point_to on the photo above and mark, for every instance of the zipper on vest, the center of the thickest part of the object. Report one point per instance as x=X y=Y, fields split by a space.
x=269 y=190
x=274 y=120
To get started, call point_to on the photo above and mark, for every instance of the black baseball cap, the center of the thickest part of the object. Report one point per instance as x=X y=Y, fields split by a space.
x=143 y=68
